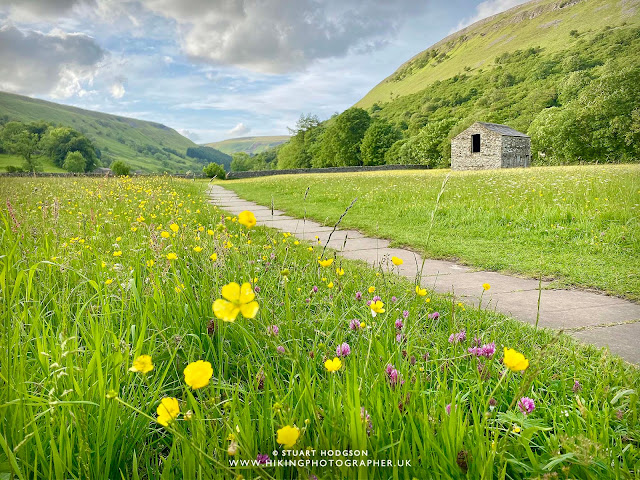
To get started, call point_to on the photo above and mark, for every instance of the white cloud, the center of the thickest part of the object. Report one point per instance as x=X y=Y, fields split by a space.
x=276 y=36
x=191 y=135
x=487 y=9
x=239 y=130
x=58 y=63
x=117 y=89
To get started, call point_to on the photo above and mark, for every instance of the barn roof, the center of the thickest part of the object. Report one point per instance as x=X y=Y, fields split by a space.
x=503 y=129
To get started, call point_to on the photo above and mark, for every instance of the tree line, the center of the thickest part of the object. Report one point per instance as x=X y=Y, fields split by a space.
x=65 y=147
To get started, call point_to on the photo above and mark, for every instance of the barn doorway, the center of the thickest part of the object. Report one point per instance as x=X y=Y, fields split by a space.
x=475 y=143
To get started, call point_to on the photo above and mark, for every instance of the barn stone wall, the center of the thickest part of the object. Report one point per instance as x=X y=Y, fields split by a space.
x=489 y=155
x=516 y=152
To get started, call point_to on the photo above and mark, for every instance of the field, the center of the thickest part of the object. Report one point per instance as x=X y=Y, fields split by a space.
x=45 y=164
x=96 y=274
x=577 y=225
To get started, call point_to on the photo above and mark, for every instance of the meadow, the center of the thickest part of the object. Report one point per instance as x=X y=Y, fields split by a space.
x=146 y=334
x=575 y=225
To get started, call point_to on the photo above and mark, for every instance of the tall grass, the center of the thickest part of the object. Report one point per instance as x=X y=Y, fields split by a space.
x=576 y=225
x=76 y=313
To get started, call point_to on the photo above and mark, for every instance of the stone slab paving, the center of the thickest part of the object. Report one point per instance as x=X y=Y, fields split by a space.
x=589 y=317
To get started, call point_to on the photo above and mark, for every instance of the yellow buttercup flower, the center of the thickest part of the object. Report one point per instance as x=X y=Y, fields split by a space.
x=238 y=300
x=167 y=411
x=486 y=286
x=108 y=281
x=288 y=436
x=340 y=271
x=210 y=232
x=247 y=218
x=172 y=256
x=213 y=256
x=333 y=365
x=142 y=364
x=325 y=263
x=117 y=254
x=421 y=291
x=372 y=289
x=397 y=261
x=377 y=307
x=197 y=374
x=174 y=227
x=514 y=360
x=330 y=285
x=150 y=263
x=197 y=249
x=165 y=234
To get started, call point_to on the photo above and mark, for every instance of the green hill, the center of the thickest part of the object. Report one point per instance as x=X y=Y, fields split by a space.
x=250 y=145
x=146 y=146
x=552 y=25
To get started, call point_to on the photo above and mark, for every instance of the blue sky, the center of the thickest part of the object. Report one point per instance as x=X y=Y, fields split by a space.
x=216 y=69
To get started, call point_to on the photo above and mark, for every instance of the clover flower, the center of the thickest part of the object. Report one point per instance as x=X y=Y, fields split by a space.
x=526 y=405
x=461 y=336
x=343 y=350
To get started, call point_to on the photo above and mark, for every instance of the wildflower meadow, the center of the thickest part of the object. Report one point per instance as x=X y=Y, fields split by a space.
x=146 y=334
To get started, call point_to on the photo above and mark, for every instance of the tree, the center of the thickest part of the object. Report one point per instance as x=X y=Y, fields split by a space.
x=340 y=142
x=120 y=168
x=74 y=162
x=214 y=170
x=379 y=138
x=297 y=152
x=18 y=139
x=241 y=162
x=59 y=141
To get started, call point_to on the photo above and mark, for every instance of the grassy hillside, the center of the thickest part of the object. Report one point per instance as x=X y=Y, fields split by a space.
x=577 y=225
x=147 y=146
x=250 y=145
x=539 y=23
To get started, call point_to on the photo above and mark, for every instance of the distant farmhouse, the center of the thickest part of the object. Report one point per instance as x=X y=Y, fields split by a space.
x=490 y=145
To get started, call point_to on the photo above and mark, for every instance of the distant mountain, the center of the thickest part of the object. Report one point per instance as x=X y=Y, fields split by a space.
x=551 y=25
x=250 y=145
x=146 y=146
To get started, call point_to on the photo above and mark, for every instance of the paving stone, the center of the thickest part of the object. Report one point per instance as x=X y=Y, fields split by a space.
x=622 y=340
x=514 y=296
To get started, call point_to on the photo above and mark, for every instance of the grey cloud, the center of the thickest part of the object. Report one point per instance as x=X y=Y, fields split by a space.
x=277 y=36
x=57 y=63
x=39 y=8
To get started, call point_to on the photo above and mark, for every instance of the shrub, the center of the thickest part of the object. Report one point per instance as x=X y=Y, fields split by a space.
x=120 y=168
x=214 y=170
x=74 y=162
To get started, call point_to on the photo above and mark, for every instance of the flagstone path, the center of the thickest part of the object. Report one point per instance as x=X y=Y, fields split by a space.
x=589 y=317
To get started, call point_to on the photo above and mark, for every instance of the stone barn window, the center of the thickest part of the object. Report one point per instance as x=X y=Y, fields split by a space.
x=475 y=143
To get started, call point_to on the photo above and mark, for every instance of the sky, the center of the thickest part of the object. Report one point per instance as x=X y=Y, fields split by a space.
x=217 y=69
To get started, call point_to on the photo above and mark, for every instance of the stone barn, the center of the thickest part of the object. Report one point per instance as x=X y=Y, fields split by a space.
x=490 y=145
